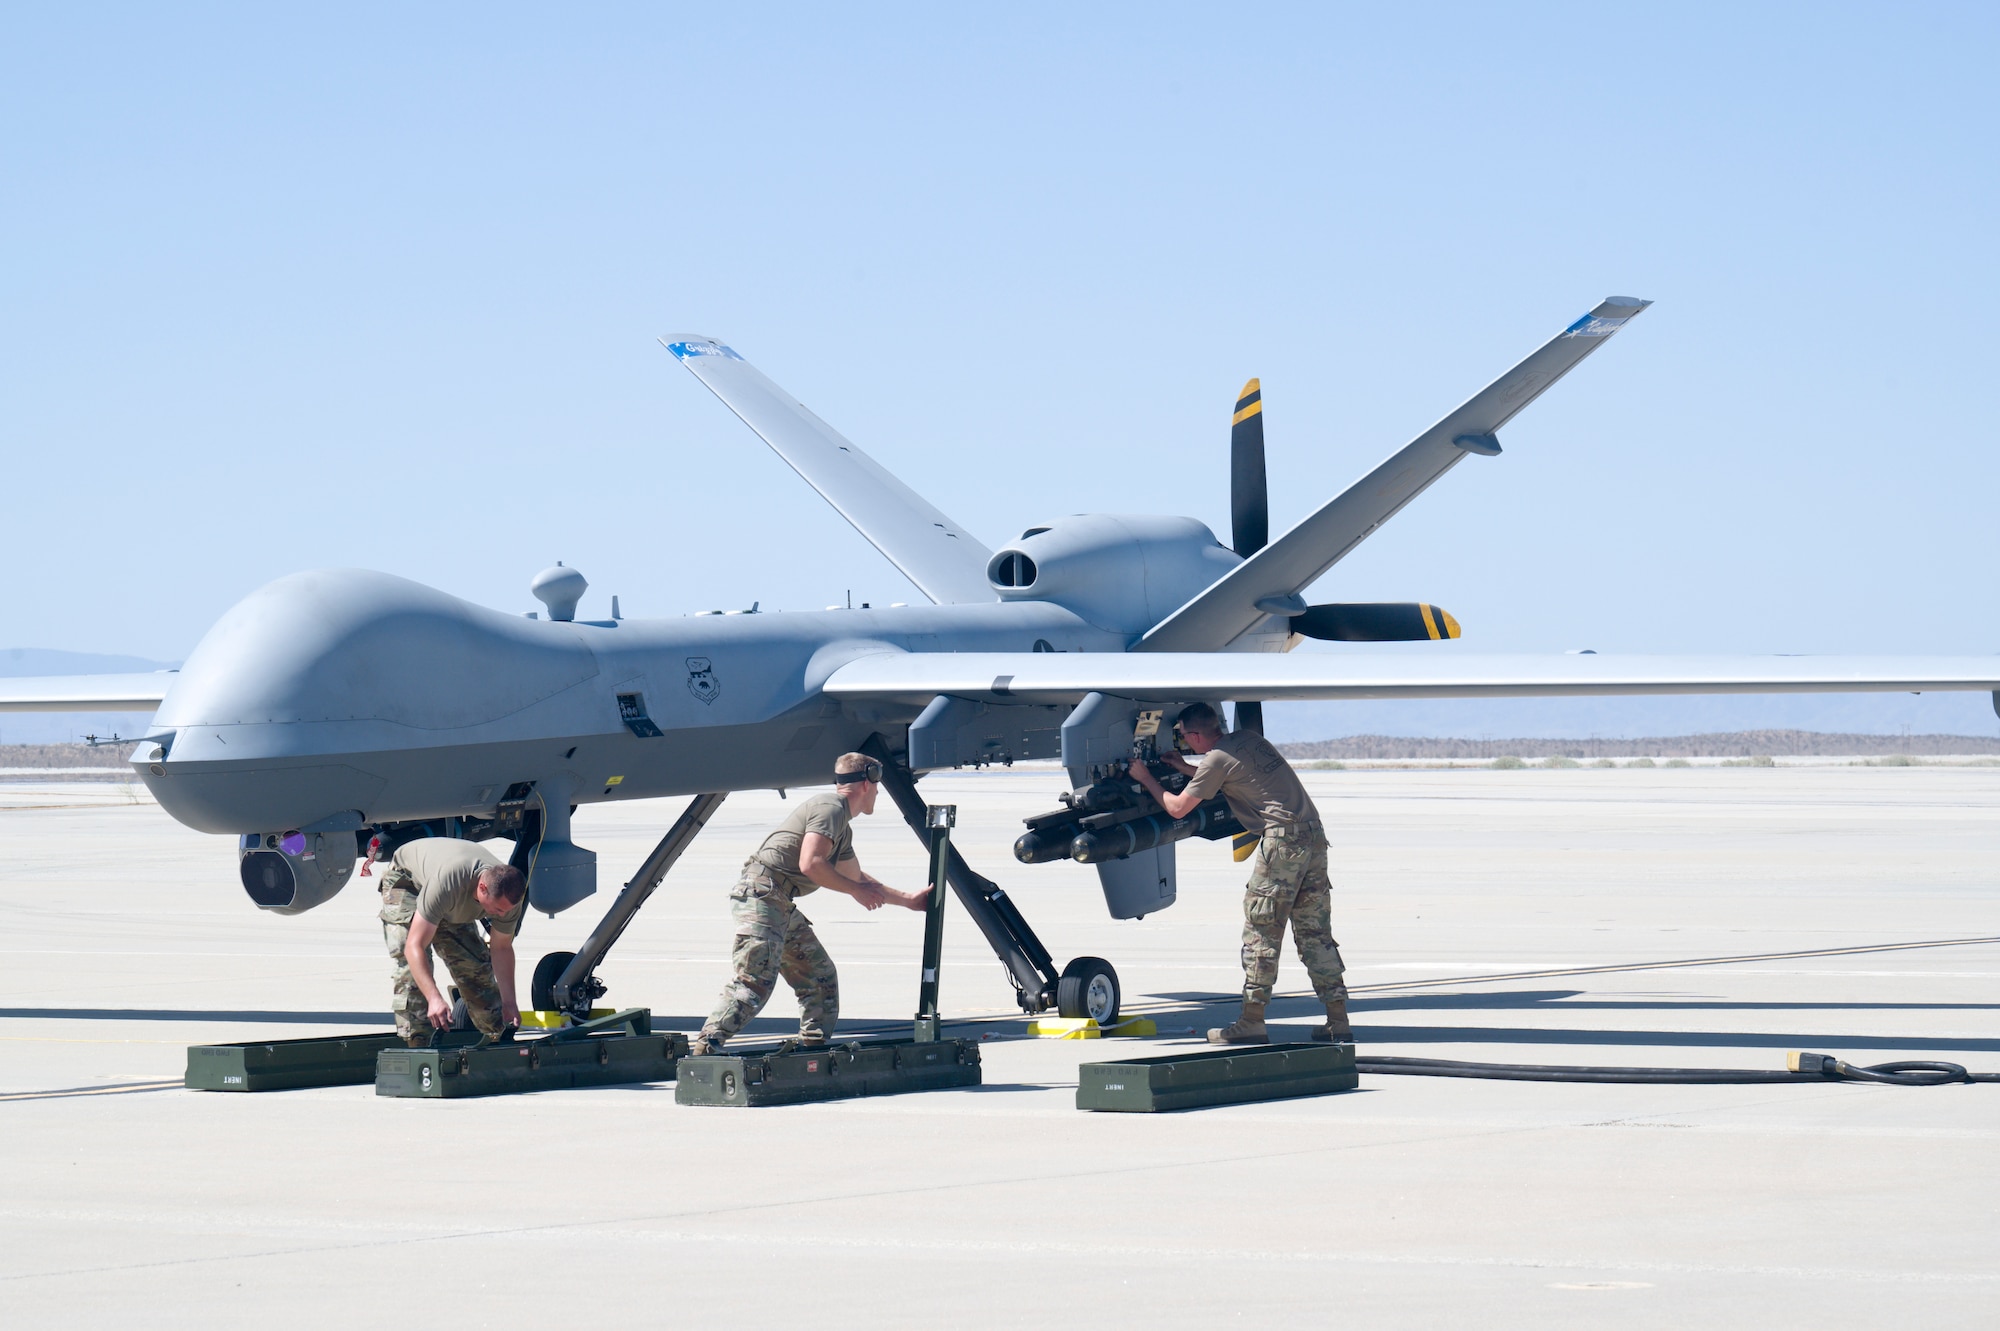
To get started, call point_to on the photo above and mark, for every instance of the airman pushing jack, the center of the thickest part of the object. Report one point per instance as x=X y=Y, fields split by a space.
x=811 y=849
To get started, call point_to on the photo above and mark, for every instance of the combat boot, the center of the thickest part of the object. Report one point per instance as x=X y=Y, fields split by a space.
x=704 y=1043
x=1338 y=1029
x=1246 y=1029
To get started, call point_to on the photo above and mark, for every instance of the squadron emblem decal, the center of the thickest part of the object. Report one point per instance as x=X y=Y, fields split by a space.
x=701 y=679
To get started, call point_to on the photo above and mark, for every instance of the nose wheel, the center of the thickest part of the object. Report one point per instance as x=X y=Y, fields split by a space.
x=1089 y=988
x=542 y=989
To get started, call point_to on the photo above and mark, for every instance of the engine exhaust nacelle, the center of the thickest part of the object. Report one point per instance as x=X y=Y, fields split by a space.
x=289 y=872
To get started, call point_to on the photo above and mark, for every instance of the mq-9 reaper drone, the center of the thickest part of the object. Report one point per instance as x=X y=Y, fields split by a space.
x=341 y=711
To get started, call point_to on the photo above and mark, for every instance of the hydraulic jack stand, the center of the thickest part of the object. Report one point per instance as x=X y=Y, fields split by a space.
x=941 y=818
x=1087 y=987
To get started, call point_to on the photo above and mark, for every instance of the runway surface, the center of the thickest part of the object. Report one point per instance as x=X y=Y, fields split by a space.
x=1536 y=916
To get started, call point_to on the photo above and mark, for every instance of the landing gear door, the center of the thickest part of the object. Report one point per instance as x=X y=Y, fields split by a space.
x=1096 y=739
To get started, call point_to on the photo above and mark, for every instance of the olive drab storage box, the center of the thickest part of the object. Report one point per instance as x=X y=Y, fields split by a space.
x=1235 y=1075
x=831 y=1072
x=293 y=1065
x=626 y=1052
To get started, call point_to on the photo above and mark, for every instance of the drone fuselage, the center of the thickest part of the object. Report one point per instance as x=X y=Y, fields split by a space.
x=341 y=691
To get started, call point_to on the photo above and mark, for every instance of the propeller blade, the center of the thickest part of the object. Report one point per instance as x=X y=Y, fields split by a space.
x=1250 y=513
x=1249 y=498
x=1392 y=621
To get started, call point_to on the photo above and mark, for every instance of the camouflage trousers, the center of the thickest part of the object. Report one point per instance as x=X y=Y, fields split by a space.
x=1288 y=882
x=463 y=950
x=773 y=938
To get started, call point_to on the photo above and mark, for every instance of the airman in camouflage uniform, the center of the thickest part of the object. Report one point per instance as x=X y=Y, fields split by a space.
x=1288 y=881
x=433 y=894
x=811 y=849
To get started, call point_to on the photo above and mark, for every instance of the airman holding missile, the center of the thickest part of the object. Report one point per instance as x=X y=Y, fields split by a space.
x=1288 y=881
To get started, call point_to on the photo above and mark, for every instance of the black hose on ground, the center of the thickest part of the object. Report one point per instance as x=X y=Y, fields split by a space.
x=1803 y=1068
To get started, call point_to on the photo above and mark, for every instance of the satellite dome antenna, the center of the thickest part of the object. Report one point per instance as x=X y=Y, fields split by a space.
x=559 y=589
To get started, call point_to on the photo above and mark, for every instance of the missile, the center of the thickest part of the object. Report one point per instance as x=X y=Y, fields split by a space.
x=1103 y=809
x=1043 y=844
x=1211 y=820
x=1049 y=835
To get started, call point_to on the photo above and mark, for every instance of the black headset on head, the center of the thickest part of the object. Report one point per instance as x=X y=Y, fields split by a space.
x=872 y=772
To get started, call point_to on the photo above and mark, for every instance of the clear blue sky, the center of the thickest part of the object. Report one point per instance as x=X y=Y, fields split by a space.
x=290 y=286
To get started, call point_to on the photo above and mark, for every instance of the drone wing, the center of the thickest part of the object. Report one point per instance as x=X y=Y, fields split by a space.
x=1293 y=562
x=85 y=693
x=935 y=553
x=1068 y=677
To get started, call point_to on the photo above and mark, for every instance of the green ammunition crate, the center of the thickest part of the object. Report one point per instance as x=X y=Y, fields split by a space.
x=291 y=1065
x=516 y=1066
x=1232 y=1076
x=832 y=1072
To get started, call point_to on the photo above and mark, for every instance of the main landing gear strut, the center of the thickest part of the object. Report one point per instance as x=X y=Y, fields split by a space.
x=567 y=981
x=1087 y=987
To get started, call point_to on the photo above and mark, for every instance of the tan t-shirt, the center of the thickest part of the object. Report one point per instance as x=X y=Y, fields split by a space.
x=825 y=814
x=1259 y=786
x=446 y=871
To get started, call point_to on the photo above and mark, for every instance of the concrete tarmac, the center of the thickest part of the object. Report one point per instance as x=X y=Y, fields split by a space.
x=1466 y=903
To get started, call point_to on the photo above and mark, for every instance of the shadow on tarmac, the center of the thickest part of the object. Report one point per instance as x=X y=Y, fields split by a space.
x=1283 y=1010
x=196 y=1014
x=1531 y=1035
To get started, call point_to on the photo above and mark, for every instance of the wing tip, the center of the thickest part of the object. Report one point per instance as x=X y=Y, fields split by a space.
x=1607 y=317
x=685 y=347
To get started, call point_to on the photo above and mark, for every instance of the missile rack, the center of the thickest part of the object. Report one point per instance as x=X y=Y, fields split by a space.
x=1115 y=816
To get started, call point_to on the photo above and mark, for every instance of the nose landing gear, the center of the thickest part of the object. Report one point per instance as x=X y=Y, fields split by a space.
x=1087 y=987
x=567 y=981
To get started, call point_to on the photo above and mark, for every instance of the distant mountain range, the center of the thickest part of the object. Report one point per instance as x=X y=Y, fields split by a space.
x=1739 y=744
x=1583 y=718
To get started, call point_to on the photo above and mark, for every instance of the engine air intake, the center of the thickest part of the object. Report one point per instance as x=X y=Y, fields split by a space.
x=1011 y=568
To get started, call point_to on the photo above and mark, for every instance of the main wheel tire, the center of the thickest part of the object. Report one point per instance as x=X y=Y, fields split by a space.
x=547 y=971
x=1089 y=988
